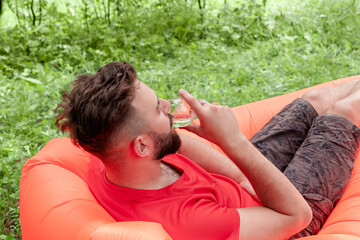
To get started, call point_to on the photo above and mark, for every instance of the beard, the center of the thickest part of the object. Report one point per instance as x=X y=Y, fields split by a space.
x=165 y=144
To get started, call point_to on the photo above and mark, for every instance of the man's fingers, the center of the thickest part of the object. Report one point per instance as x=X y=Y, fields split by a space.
x=192 y=128
x=194 y=104
x=203 y=102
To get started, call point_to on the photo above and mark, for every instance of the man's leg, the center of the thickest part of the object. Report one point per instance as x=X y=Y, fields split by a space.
x=324 y=98
x=321 y=168
x=279 y=139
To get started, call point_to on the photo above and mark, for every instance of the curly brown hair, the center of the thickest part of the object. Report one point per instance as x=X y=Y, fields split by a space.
x=98 y=105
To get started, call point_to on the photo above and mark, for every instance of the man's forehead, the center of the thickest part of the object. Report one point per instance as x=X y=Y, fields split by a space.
x=143 y=88
x=144 y=95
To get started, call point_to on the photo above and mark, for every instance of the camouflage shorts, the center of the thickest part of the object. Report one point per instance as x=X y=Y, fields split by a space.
x=316 y=153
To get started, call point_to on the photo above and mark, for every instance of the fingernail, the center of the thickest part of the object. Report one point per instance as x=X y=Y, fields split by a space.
x=181 y=91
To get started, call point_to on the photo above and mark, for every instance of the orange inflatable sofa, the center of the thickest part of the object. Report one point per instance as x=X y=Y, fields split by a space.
x=56 y=203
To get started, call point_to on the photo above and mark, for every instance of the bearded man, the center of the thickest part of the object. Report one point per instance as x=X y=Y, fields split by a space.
x=142 y=170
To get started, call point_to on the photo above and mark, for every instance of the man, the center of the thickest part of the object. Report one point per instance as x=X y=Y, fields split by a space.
x=145 y=172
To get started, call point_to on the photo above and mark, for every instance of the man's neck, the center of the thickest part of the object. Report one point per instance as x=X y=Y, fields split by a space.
x=152 y=175
x=171 y=172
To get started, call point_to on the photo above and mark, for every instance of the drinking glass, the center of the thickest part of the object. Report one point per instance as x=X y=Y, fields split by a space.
x=182 y=114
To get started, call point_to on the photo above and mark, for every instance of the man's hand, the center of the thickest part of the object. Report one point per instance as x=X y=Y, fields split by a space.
x=217 y=123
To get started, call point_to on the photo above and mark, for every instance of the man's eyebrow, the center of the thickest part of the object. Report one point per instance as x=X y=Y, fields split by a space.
x=158 y=103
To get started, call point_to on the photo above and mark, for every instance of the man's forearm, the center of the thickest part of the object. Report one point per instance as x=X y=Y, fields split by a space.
x=210 y=159
x=272 y=187
x=214 y=162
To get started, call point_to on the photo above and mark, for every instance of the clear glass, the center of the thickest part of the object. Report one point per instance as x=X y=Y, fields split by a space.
x=182 y=114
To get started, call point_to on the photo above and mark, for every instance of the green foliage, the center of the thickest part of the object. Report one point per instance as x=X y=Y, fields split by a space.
x=232 y=54
x=243 y=25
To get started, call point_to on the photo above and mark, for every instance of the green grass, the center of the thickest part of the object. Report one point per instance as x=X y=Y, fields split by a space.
x=233 y=55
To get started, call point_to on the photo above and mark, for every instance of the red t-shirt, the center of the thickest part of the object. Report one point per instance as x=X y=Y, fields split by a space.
x=198 y=206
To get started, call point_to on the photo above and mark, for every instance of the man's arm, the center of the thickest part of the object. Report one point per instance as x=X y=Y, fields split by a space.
x=284 y=211
x=213 y=161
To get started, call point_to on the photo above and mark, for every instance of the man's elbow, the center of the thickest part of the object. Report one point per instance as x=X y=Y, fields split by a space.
x=300 y=219
x=304 y=216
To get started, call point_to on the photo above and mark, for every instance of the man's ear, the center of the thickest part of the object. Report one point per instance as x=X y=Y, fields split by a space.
x=142 y=145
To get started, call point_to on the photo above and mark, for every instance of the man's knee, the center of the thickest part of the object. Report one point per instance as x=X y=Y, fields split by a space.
x=348 y=107
x=319 y=99
x=345 y=109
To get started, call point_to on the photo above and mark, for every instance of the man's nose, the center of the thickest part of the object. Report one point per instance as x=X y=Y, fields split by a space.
x=166 y=105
